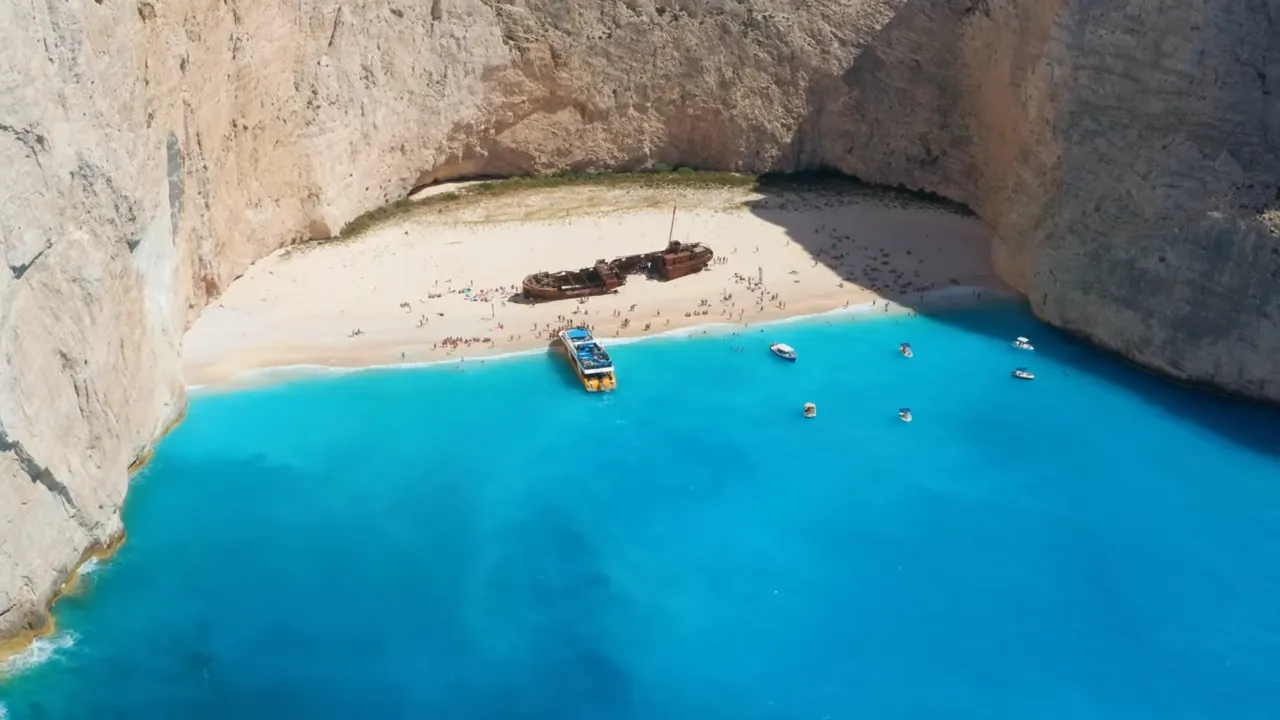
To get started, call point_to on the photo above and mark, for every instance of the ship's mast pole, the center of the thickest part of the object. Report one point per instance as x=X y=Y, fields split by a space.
x=671 y=235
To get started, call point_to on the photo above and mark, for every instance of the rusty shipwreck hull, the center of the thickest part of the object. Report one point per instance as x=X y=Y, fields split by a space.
x=676 y=261
x=598 y=279
x=680 y=259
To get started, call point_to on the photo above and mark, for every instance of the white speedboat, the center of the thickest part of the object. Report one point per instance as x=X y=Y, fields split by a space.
x=1023 y=374
x=810 y=410
x=784 y=351
x=904 y=414
x=1023 y=344
x=905 y=349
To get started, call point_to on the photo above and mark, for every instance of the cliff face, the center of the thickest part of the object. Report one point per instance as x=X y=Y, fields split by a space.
x=1126 y=152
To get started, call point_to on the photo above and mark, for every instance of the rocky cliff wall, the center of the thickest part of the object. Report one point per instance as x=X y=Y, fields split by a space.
x=1126 y=152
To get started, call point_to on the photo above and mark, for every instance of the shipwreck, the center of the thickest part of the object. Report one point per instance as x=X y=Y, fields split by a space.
x=677 y=260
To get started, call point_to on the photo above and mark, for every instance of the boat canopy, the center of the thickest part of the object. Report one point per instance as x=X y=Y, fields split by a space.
x=784 y=347
x=587 y=352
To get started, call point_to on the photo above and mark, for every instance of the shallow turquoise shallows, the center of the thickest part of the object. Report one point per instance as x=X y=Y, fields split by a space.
x=495 y=543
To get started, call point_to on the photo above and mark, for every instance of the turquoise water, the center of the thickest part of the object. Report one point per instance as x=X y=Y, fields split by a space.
x=494 y=543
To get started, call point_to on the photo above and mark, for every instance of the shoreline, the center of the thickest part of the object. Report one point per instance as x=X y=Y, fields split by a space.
x=432 y=287
x=16 y=649
x=952 y=297
x=26 y=650
x=442 y=285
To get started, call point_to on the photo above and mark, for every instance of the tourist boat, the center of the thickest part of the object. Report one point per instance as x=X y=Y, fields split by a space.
x=905 y=349
x=784 y=351
x=810 y=410
x=1023 y=374
x=676 y=261
x=1023 y=344
x=904 y=414
x=590 y=362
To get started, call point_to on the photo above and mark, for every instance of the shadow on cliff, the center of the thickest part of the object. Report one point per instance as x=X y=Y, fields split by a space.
x=870 y=248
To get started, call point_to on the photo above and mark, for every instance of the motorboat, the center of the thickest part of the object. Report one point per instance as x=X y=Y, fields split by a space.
x=1023 y=374
x=1023 y=344
x=904 y=414
x=784 y=351
x=810 y=410
x=905 y=349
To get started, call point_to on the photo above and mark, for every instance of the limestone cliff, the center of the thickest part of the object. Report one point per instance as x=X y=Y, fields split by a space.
x=1126 y=152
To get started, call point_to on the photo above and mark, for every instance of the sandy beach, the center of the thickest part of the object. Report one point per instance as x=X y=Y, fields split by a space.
x=438 y=284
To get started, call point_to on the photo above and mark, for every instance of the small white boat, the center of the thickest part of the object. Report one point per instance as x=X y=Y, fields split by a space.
x=784 y=351
x=1023 y=344
x=905 y=349
x=904 y=414
x=1023 y=374
x=810 y=410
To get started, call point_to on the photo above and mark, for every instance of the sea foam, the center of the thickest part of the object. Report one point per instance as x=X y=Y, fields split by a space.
x=41 y=650
x=91 y=566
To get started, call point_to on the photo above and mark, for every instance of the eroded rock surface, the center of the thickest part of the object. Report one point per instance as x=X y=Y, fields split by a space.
x=1126 y=153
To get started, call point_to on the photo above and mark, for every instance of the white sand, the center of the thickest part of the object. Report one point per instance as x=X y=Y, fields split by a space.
x=303 y=306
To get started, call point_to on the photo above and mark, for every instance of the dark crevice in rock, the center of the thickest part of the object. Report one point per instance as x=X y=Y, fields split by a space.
x=34 y=142
x=337 y=25
x=43 y=476
x=975 y=7
x=174 y=165
x=21 y=268
x=96 y=186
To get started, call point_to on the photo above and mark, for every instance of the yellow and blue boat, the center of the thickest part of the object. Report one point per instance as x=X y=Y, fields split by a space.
x=591 y=363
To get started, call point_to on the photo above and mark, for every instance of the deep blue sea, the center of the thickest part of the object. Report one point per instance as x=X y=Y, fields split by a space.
x=494 y=543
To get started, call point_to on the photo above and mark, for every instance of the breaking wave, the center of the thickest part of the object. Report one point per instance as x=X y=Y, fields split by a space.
x=91 y=566
x=41 y=650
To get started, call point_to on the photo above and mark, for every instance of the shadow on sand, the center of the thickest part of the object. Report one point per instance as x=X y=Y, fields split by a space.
x=808 y=207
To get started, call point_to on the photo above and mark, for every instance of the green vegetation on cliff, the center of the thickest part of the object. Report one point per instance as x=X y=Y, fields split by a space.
x=659 y=177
